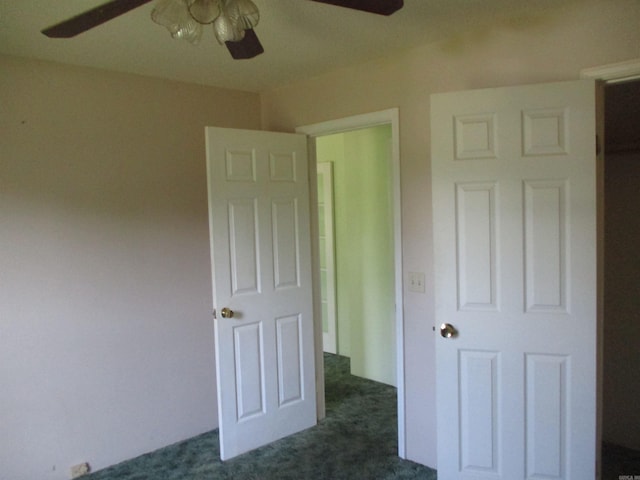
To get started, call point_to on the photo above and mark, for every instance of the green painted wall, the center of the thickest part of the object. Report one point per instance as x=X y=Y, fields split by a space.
x=364 y=249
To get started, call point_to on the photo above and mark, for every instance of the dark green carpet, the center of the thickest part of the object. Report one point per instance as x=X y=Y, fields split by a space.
x=357 y=440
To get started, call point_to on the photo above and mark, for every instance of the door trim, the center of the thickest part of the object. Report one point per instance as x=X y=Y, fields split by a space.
x=329 y=338
x=383 y=117
x=614 y=72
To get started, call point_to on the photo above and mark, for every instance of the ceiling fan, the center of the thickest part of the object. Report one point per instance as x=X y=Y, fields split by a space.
x=233 y=20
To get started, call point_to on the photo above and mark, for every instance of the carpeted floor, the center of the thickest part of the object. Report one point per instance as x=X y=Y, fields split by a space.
x=357 y=440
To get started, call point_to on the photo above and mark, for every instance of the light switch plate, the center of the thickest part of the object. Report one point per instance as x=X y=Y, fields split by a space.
x=416 y=282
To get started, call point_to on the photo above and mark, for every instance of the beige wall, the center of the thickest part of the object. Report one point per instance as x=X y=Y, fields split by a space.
x=512 y=51
x=106 y=345
x=106 y=338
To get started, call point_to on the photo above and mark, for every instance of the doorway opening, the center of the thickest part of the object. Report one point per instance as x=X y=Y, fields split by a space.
x=621 y=330
x=356 y=249
x=620 y=89
x=364 y=155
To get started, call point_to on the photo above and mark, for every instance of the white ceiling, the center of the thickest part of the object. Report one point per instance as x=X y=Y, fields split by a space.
x=301 y=38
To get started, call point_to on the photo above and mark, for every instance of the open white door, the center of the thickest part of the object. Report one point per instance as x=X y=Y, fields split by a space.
x=260 y=248
x=514 y=188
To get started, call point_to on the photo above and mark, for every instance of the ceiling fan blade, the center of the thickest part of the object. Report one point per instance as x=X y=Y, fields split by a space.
x=92 y=18
x=248 y=47
x=381 y=7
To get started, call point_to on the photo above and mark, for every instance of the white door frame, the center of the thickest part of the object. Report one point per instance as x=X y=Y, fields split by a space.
x=329 y=338
x=383 y=117
x=614 y=72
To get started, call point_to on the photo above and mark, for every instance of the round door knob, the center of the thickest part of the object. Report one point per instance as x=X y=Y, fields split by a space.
x=226 y=313
x=448 y=331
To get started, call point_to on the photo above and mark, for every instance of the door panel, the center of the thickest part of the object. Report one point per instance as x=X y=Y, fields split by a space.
x=479 y=403
x=515 y=273
x=545 y=224
x=250 y=389
x=289 y=361
x=261 y=260
x=476 y=223
x=286 y=258
x=243 y=243
x=546 y=415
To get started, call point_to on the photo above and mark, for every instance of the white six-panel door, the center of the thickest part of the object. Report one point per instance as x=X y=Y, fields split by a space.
x=514 y=192
x=261 y=261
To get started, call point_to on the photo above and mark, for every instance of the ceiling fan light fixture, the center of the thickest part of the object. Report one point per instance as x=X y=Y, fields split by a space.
x=175 y=17
x=243 y=13
x=233 y=20
x=190 y=31
x=204 y=11
x=168 y=12
x=184 y=18
x=226 y=30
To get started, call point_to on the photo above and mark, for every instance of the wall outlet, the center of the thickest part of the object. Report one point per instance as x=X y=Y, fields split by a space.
x=80 y=469
x=416 y=282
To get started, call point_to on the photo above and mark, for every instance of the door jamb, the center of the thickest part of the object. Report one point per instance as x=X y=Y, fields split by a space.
x=383 y=117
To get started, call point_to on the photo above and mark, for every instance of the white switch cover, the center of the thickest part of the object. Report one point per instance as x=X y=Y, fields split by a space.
x=416 y=282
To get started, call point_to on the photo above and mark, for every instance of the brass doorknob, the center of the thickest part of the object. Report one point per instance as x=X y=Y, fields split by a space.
x=448 y=331
x=226 y=313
